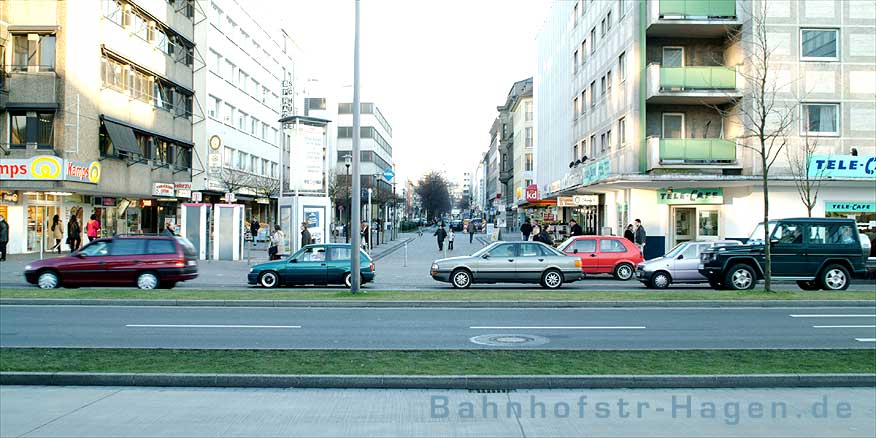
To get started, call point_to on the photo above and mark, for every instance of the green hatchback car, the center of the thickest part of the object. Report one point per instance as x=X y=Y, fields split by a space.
x=313 y=264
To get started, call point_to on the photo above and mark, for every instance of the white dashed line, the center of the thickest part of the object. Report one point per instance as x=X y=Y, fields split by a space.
x=844 y=326
x=834 y=316
x=213 y=326
x=558 y=328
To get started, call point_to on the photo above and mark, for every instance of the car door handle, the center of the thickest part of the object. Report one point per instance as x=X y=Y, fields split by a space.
x=541 y=260
x=592 y=255
x=322 y=264
x=138 y=261
x=510 y=260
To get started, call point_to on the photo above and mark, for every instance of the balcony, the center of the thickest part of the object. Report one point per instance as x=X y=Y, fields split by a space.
x=691 y=153
x=691 y=18
x=506 y=175
x=692 y=85
x=31 y=88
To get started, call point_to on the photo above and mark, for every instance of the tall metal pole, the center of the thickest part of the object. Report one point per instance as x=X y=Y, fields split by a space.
x=356 y=208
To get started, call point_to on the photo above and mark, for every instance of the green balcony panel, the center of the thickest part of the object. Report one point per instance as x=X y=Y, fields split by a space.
x=697 y=150
x=698 y=8
x=698 y=78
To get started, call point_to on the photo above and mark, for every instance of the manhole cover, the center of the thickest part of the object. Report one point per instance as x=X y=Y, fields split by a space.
x=504 y=340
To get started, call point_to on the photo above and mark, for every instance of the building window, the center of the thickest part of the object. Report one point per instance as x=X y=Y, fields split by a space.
x=575 y=107
x=163 y=152
x=584 y=100
x=31 y=127
x=253 y=126
x=622 y=130
x=608 y=83
x=593 y=94
x=241 y=121
x=608 y=21
x=33 y=52
x=583 y=149
x=602 y=28
x=215 y=63
x=602 y=143
x=528 y=111
x=242 y=80
x=229 y=71
x=820 y=44
x=621 y=7
x=230 y=114
x=264 y=131
x=583 y=51
x=608 y=139
x=18 y=132
x=575 y=15
x=112 y=10
x=821 y=119
x=576 y=60
x=622 y=66
x=593 y=40
x=574 y=151
x=592 y=146
x=183 y=157
x=215 y=107
x=253 y=164
x=242 y=160
x=529 y=162
x=229 y=156
x=528 y=133
x=602 y=86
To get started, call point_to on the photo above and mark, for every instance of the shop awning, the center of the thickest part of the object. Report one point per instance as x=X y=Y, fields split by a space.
x=539 y=203
x=122 y=137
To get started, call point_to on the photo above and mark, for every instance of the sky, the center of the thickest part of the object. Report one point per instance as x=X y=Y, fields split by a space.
x=436 y=69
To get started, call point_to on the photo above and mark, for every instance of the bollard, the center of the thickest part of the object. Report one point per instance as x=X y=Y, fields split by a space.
x=406 y=254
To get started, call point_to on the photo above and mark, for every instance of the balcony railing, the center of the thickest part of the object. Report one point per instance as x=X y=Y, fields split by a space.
x=697 y=9
x=697 y=78
x=695 y=150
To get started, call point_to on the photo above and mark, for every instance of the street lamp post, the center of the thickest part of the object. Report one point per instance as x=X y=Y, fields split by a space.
x=355 y=260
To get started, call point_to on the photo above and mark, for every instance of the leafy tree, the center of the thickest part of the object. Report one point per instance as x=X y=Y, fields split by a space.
x=433 y=190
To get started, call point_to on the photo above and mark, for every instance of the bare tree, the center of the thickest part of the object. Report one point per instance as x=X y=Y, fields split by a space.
x=265 y=187
x=338 y=189
x=767 y=120
x=800 y=163
x=234 y=180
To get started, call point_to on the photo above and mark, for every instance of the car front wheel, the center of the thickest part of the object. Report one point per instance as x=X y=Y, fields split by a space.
x=552 y=279
x=834 y=277
x=48 y=280
x=623 y=271
x=661 y=280
x=461 y=279
x=269 y=279
x=740 y=277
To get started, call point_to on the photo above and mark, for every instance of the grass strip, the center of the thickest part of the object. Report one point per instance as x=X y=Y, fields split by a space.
x=453 y=362
x=431 y=294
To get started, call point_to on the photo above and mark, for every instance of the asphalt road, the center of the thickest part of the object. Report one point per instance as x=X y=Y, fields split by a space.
x=184 y=412
x=397 y=267
x=407 y=328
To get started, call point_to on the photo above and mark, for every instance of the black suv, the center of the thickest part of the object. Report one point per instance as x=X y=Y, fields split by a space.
x=817 y=253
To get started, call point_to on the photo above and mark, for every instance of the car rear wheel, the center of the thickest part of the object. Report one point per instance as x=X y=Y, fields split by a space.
x=348 y=280
x=834 y=277
x=48 y=280
x=147 y=280
x=623 y=271
x=552 y=279
x=661 y=280
x=808 y=285
x=740 y=277
x=460 y=278
x=269 y=279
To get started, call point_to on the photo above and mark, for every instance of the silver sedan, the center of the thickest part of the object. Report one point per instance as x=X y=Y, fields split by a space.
x=510 y=262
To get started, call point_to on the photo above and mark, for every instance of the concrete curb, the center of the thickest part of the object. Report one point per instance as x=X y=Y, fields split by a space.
x=434 y=304
x=392 y=249
x=477 y=382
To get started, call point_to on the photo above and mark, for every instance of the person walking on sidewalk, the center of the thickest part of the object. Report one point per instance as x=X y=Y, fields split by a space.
x=4 y=237
x=450 y=236
x=278 y=242
x=306 y=239
x=640 y=236
x=526 y=229
x=92 y=228
x=441 y=235
x=57 y=233
x=254 y=227
x=575 y=229
x=471 y=231
x=629 y=234
x=74 y=232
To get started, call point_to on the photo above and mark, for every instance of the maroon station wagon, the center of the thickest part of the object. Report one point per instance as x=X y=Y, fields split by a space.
x=145 y=261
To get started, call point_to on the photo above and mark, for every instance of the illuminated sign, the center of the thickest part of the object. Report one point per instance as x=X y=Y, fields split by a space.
x=842 y=166
x=49 y=168
x=690 y=196
x=162 y=189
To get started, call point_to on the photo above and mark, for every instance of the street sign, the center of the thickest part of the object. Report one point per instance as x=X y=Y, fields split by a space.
x=197 y=197
x=229 y=198
x=388 y=174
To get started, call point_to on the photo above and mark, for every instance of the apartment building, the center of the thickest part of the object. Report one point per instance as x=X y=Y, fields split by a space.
x=494 y=205
x=644 y=107
x=375 y=153
x=250 y=69
x=96 y=114
x=516 y=148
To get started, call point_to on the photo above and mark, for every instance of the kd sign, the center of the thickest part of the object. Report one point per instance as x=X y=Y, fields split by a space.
x=531 y=194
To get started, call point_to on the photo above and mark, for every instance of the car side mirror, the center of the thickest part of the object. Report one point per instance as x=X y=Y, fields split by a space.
x=680 y=256
x=485 y=256
x=293 y=261
x=575 y=251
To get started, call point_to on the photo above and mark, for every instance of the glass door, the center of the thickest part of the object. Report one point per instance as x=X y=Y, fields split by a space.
x=673 y=125
x=683 y=227
x=707 y=224
x=673 y=57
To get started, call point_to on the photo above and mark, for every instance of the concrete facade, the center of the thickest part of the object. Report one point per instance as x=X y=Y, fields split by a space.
x=635 y=100
x=89 y=64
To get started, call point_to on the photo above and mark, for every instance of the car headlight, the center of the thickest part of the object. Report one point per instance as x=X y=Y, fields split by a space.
x=28 y=267
x=251 y=270
x=434 y=266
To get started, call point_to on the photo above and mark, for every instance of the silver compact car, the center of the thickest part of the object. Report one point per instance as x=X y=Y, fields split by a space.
x=679 y=265
x=510 y=262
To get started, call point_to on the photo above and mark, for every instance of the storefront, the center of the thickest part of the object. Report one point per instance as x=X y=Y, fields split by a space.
x=694 y=214
x=586 y=210
x=864 y=213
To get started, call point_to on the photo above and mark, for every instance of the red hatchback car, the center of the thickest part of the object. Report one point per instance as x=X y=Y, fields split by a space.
x=145 y=261
x=605 y=255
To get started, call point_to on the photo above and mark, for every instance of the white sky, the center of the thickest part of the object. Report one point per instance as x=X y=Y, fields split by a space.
x=436 y=69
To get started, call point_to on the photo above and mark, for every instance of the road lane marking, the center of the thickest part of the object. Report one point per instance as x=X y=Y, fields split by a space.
x=834 y=316
x=213 y=326
x=865 y=339
x=557 y=328
x=844 y=326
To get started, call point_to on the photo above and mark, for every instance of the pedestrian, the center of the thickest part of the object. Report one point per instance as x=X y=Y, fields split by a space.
x=254 y=227
x=347 y=232
x=629 y=235
x=450 y=236
x=471 y=232
x=575 y=229
x=441 y=235
x=365 y=231
x=169 y=230
x=92 y=228
x=57 y=232
x=536 y=233
x=639 y=236
x=526 y=229
x=305 y=235
x=278 y=242
x=4 y=237
x=74 y=231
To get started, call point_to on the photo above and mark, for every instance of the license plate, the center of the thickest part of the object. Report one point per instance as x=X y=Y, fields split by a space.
x=701 y=266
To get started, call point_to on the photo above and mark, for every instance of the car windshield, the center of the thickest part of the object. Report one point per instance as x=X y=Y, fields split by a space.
x=676 y=250
x=756 y=237
x=485 y=249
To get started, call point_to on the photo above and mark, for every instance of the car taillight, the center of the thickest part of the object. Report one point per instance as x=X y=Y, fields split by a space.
x=372 y=267
x=181 y=263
